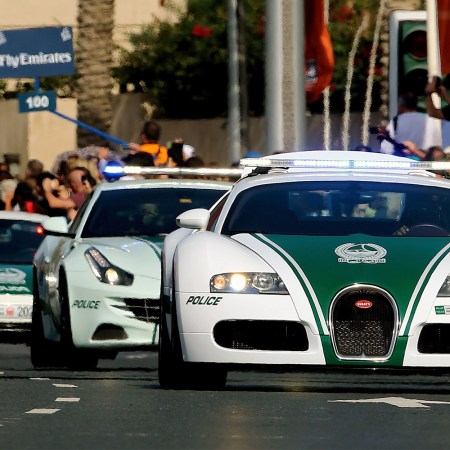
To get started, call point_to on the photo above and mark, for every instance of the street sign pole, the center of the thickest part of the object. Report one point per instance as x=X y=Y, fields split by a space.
x=92 y=129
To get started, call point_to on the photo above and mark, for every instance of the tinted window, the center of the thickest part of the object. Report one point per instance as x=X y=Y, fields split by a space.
x=341 y=208
x=150 y=212
x=77 y=219
x=19 y=240
x=215 y=213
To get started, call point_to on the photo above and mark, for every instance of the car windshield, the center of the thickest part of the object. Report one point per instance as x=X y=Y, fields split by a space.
x=341 y=208
x=19 y=240
x=144 y=212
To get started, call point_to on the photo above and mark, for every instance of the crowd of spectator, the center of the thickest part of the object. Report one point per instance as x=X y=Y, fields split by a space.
x=58 y=191
x=412 y=133
x=61 y=189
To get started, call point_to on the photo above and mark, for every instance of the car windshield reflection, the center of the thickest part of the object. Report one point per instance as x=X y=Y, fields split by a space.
x=341 y=208
x=144 y=212
x=19 y=240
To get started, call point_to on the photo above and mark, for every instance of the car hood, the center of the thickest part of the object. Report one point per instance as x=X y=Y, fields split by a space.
x=16 y=279
x=403 y=266
x=139 y=255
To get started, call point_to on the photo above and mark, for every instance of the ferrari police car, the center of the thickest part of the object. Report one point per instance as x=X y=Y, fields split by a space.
x=315 y=258
x=97 y=279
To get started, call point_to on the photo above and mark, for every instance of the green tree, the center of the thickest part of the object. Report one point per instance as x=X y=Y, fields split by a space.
x=183 y=66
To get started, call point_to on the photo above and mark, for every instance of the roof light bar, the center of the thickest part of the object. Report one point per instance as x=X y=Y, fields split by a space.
x=116 y=170
x=183 y=171
x=342 y=164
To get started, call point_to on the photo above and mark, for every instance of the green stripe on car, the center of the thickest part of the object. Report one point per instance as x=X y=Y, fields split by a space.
x=323 y=274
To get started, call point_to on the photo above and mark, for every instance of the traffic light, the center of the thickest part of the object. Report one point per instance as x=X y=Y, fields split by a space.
x=408 y=67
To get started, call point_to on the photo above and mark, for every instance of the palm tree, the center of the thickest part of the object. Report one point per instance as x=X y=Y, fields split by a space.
x=94 y=61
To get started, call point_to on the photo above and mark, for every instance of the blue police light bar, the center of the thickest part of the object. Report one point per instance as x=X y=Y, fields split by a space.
x=115 y=170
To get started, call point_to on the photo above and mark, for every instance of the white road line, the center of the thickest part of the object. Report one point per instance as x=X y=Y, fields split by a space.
x=42 y=411
x=67 y=399
x=395 y=401
x=64 y=385
x=39 y=378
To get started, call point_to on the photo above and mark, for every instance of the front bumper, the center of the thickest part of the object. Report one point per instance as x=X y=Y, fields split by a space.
x=114 y=317
x=249 y=330
x=15 y=311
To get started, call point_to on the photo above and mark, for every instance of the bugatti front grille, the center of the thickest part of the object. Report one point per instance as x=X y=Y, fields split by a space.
x=145 y=309
x=363 y=323
x=261 y=335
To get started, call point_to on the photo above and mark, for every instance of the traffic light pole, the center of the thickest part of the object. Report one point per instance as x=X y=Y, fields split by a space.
x=432 y=40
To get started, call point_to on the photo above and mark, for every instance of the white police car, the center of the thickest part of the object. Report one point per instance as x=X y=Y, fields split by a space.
x=97 y=280
x=20 y=236
x=315 y=258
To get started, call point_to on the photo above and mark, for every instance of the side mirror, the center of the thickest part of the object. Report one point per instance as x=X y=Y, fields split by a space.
x=57 y=226
x=194 y=219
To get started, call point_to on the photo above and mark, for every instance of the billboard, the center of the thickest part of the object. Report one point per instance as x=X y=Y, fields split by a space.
x=36 y=52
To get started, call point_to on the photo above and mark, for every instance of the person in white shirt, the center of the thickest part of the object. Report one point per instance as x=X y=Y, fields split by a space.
x=410 y=125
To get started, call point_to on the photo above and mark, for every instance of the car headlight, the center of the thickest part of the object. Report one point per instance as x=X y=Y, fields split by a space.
x=105 y=271
x=444 y=291
x=248 y=283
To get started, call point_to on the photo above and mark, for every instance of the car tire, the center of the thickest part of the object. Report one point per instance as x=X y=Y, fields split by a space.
x=43 y=352
x=174 y=372
x=170 y=360
x=74 y=358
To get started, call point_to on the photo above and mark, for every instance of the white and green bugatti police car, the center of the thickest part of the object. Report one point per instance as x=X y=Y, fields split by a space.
x=315 y=258
x=20 y=236
x=98 y=279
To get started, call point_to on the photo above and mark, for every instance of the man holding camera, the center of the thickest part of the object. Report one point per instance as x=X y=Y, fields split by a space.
x=435 y=86
x=410 y=132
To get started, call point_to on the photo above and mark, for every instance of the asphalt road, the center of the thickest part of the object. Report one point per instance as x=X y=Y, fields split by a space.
x=121 y=406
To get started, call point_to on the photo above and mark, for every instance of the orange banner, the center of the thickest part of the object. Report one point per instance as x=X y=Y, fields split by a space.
x=319 y=56
x=443 y=11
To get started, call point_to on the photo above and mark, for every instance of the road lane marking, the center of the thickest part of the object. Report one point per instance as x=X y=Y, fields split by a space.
x=67 y=399
x=39 y=379
x=64 y=385
x=395 y=401
x=42 y=411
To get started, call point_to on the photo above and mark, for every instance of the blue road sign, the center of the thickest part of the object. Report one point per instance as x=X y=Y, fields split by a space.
x=36 y=52
x=37 y=101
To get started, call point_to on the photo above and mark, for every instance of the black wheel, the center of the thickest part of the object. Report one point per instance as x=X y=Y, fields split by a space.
x=173 y=372
x=74 y=358
x=170 y=359
x=43 y=352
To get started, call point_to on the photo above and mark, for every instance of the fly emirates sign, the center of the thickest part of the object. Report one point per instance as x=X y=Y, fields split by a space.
x=36 y=52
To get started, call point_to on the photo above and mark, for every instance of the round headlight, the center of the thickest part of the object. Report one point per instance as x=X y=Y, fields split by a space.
x=219 y=282
x=263 y=281
x=111 y=276
x=238 y=282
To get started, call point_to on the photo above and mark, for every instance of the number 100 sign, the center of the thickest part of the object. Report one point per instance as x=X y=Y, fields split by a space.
x=37 y=101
